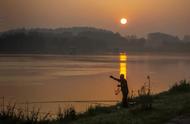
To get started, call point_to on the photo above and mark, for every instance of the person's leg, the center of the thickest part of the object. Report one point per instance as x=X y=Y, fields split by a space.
x=125 y=101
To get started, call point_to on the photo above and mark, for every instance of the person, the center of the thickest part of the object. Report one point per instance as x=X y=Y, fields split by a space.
x=124 y=89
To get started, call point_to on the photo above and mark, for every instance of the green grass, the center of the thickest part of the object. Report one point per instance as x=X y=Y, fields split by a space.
x=165 y=106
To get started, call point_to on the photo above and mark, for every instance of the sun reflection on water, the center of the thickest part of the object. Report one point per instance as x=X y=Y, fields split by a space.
x=123 y=64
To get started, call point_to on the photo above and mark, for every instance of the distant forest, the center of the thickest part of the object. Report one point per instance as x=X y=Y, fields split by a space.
x=86 y=40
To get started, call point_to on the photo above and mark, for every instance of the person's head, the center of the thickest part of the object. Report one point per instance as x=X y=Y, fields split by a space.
x=122 y=76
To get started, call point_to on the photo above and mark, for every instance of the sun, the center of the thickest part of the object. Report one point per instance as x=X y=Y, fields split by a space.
x=123 y=21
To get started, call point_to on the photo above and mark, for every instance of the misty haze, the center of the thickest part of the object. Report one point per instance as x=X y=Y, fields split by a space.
x=92 y=62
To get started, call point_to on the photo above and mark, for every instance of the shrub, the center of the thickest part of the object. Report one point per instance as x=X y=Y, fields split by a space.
x=181 y=86
x=100 y=109
x=145 y=99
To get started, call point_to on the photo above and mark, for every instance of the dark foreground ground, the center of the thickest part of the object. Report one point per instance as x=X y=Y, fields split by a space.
x=170 y=107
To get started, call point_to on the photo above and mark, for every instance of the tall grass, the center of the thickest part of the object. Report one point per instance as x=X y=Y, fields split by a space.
x=144 y=98
x=67 y=114
x=10 y=114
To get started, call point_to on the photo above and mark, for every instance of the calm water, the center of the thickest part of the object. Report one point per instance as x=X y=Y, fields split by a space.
x=51 y=78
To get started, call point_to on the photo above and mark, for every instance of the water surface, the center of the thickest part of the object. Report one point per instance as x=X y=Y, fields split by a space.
x=62 y=77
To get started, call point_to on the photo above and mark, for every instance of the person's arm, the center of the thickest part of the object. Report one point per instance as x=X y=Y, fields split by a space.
x=115 y=78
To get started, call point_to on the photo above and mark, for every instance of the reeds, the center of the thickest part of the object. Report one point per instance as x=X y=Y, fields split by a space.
x=11 y=114
x=67 y=114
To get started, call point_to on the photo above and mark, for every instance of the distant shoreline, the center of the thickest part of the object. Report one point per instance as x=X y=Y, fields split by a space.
x=92 y=54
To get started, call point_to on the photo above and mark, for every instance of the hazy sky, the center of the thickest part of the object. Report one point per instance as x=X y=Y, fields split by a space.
x=144 y=16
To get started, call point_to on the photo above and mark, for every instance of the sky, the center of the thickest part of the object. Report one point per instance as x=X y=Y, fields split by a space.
x=144 y=16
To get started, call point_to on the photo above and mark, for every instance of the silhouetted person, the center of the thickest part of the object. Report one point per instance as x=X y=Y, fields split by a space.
x=124 y=89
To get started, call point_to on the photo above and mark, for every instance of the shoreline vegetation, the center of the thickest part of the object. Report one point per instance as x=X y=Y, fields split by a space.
x=146 y=108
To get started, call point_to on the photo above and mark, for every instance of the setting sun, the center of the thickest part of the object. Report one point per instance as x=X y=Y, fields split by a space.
x=123 y=21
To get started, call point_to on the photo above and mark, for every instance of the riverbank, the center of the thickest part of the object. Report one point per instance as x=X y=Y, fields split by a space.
x=166 y=106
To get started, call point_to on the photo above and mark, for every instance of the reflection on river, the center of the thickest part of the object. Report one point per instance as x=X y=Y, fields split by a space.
x=51 y=78
x=123 y=64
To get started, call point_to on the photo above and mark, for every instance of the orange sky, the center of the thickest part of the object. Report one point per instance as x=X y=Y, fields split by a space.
x=144 y=16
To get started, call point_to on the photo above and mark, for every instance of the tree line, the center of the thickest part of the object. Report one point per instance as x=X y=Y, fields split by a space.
x=85 y=40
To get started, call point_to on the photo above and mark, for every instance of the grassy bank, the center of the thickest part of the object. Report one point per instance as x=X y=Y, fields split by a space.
x=165 y=106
